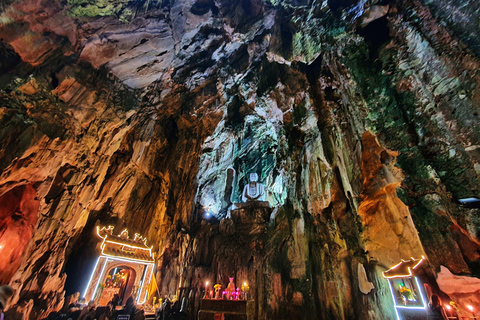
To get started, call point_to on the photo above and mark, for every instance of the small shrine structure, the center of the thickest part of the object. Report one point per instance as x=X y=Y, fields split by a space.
x=124 y=267
x=407 y=294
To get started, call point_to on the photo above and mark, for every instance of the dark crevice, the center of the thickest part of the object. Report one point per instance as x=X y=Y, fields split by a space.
x=201 y=7
x=376 y=34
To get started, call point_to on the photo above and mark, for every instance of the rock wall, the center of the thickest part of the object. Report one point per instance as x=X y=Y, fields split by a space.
x=359 y=117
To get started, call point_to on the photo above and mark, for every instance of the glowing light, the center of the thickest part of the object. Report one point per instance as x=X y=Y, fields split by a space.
x=91 y=276
x=469 y=307
x=107 y=230
x=128 y=260
x=125 y=258
x=124 y=233
x=423 y=307
x=448 y=307
x=421 y=294
x=414 y=308
x=468 y=200
x=406 y=307
x=394 y=301
x=99 y=279
x=143 y=283
x=128 y=245
x=148 y=263
x=137 y=236
x=418 y=263
x=408 y=268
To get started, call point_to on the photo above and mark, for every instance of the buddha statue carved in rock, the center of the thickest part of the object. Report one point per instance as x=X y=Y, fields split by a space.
x=254 y=190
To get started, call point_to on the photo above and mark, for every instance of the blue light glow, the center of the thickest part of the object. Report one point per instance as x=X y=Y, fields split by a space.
x=393 y=298
x=143 y=283
x=468 y=200
x=408 y=307
x=91 y=276
x=99 y=279
x=421 y=294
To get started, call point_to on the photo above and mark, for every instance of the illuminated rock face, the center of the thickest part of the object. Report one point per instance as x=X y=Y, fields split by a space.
x=19 y=208
x=360 y=120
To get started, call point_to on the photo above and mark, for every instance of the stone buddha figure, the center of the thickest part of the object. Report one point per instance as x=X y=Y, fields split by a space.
x=254 y=190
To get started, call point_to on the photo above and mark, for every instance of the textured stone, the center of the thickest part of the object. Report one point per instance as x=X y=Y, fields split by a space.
x=389 y=232
x=364 y=285
x=373 y=13
x=462 y=289
x=451 y=284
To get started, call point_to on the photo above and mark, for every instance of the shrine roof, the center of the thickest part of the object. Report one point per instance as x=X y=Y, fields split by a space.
x=125 y=241
x=123 y=247
x=134 y=255
x=406 y=268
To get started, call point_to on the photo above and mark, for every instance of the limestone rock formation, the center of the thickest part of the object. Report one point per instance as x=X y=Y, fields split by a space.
x=359 y=117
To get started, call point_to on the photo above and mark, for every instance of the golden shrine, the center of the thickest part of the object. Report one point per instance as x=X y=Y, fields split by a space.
x=406 y=289
x=124 y=267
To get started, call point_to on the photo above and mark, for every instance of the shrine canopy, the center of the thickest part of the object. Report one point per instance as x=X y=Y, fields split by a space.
x=406 y=268
x=407 y=291
x=121 y=246
x=124 y=267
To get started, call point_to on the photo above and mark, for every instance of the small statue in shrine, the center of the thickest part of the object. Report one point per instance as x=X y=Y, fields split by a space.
x=230 y=289
x=218 y=290
x=254 y=190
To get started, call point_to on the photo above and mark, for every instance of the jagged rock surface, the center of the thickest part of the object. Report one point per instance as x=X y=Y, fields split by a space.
x=359 y=117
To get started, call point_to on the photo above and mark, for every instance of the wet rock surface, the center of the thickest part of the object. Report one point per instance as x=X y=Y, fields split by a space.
x=360 y=118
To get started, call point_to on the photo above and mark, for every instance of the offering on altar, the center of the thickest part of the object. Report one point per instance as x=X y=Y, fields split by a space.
x=218 y=290
x=407 y=294
x=228 y=293
x=245 y=288
x=209 y=294
x=230 y=289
